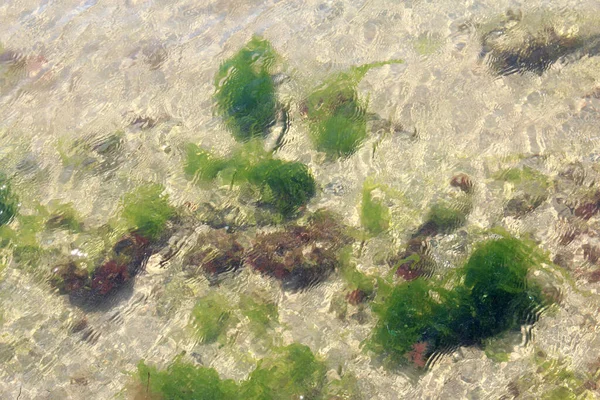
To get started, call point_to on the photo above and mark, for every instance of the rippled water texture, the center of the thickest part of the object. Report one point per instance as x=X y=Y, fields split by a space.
x=158 y=217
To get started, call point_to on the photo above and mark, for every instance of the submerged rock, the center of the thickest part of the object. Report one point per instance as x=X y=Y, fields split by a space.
x=300 y=256
x=215 y=253
x=534 y=42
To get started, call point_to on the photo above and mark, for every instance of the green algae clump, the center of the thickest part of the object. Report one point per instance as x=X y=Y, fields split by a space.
x=374 y=215
x=202 y=166
x=184 y=381
x=337 y=117
x=9 y=203
x=211 y=317
x=292 y=372
x=147 y=210
x=245 y=91
x=285 y=185
x=421 y=316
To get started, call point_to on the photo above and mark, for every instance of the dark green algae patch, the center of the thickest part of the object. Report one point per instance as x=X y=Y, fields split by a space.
x=493 y=295
x=245 y=91
x=290 y=372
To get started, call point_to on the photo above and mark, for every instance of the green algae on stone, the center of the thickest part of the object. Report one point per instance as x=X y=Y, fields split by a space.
x=285 y=185
x=493 y=296
x=374 y=215
x=261 y=314
x=146 y=209
x=183 y=381
x=530 y=187
x=245 y=91
x=291 y=372
x=63 y=216
x=9 y=203
x=337 y=117
x=200 y=165
x=211 y=317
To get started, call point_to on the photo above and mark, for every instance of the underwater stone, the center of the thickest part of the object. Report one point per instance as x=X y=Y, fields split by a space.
x=301 y=255
x=217 y=252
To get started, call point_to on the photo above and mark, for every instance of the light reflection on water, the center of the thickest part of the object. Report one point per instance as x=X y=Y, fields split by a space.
x=98 y=98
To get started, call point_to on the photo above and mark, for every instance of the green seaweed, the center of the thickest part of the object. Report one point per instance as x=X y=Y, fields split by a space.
x=211 y=317
x=184 y=381
x=261 y=314
x=374 y=215
x=291 y=372
x=245 y=92
x=285 y=185
x=445 y=217
x=202 y=166
x=147 y=210
x=9 y=203
x=494 y=296
x=337 y=116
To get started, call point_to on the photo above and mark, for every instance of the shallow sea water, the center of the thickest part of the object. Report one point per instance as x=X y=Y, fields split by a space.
x=146 y=69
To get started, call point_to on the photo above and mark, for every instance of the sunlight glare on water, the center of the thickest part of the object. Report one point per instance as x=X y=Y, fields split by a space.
x=299 y=199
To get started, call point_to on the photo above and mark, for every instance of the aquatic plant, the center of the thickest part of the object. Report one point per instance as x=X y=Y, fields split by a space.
x=183 y=381
x=285 y=185
x=63 y=216
x=146 y=209
x=337 y=117
x=414 y=261
x=245 y=91
x=9 y=202
x=261 y=313
x=291 y=372
x=109 y=272
x=211 y=317
x=374 y=215
x=423 y=316
x=301 y=255
x=202 y=166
